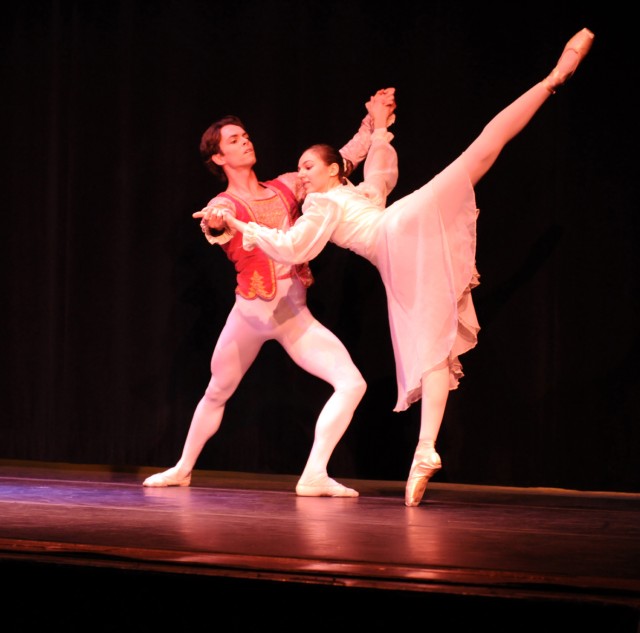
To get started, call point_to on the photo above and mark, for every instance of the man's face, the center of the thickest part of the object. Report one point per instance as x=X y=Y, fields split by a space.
x=236 y=150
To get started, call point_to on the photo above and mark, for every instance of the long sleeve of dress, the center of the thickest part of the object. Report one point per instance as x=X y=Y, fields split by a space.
x=356 y=150
x=380 y=167
x=304 y=240
x=323 y=215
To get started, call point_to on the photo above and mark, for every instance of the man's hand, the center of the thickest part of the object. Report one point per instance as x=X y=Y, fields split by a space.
x=211 y=217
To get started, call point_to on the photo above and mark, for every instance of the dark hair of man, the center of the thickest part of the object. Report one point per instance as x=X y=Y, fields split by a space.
x=210 y=143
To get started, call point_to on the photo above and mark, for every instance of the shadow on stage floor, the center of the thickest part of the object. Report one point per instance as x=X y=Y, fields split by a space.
x=90 y=548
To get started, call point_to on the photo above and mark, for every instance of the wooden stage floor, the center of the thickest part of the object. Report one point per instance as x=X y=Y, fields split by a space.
x=90 y=547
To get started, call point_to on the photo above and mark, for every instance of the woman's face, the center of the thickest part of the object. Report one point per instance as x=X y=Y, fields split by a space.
x=315 y=174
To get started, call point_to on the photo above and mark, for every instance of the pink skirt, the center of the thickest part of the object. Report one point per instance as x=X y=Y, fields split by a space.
x=426 y=256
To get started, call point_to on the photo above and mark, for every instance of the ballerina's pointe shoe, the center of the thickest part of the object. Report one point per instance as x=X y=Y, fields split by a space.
x=324 y=486
x=426 y=463
x=574 y=52
x=166 y=479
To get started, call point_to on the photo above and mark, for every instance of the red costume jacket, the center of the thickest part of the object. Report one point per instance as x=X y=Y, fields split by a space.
x=255 y=272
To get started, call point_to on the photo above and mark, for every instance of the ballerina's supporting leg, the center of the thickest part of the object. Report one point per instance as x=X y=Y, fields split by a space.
x=426 y=461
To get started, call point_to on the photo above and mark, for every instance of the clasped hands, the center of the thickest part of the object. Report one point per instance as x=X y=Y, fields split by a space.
x=218 y=219
x=381 y=106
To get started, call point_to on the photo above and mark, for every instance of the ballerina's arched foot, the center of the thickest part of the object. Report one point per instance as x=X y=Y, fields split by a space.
x=166 y=479
x=574 y=52
x=324 y=486
x=426 y=463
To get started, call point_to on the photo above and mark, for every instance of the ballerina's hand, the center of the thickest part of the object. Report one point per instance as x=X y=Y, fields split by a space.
x=233 y=222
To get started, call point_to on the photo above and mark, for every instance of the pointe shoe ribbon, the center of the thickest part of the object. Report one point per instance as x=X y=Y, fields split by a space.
x=580 y=44
x=423 y=468
x=166 y=479
x=324 y=487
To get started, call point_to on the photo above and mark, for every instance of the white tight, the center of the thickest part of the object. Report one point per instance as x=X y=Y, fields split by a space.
x=310 y=345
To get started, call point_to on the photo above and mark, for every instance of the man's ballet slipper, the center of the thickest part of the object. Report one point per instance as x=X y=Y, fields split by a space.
x=324 y=487
x=166 y=479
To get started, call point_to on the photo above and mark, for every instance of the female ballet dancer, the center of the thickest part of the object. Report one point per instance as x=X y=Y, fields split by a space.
x=423 y=246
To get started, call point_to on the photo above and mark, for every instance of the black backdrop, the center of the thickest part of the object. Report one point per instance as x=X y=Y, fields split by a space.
x=112 y=300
